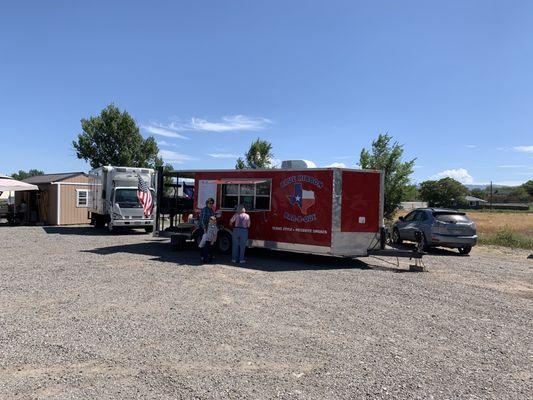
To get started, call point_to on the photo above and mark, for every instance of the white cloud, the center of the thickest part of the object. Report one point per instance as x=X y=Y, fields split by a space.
x=511 y=166
x=471 y=146
x=173 y=157
x=163 y=130
x=222 y=155
x=336 y=165
x=523 y=149
x=459 y=174
x=165 y=143
x=227 y=123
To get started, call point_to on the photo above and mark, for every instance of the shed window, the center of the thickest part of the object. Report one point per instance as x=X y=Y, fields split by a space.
x=254 y=196
x=81 y=197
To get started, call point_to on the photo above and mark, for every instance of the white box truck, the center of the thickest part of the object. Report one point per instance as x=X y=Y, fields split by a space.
x=113 y=197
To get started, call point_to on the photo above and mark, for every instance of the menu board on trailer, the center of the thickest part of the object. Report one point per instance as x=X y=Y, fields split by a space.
x=206 y=189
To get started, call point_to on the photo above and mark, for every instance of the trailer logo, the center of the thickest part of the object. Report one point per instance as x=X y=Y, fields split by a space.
x=305 y=199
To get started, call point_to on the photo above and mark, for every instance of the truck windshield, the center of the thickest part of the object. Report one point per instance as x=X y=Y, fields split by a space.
x=127 y=198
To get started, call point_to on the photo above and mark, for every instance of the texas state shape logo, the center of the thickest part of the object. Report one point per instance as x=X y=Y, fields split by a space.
x=304 y=199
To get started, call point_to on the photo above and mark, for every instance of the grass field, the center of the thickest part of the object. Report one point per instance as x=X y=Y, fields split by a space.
x=510 y=229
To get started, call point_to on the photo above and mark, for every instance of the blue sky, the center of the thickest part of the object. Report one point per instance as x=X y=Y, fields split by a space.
x=452 y=81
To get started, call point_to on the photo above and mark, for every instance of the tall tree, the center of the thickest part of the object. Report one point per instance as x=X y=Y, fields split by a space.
x=387 y=157
x=528 y=186
x=446 y=192
x=410 y=193
x=113 y=138
x=479 y=193
x=21 y=175
x=258 y=156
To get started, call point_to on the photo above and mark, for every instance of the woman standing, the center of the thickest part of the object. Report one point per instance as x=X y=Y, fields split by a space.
x=241 y=221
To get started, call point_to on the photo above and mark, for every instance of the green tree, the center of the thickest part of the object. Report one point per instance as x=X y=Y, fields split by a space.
x=21 y=175
x=259 y=155
x=519 y=194
x=113 y=138
x=411 y=193
x=387 y=157
x=446 y=192
x=528 y=186
x=479 y=193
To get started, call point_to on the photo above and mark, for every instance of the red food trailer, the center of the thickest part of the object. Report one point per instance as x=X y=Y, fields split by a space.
x=328 y=211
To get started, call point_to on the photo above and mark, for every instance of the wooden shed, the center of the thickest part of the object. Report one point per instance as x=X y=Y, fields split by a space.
x=62 y=199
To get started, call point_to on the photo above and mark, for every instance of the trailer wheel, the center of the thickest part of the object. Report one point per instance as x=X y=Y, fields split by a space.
x=177 y=242
x=224 y=242
x=197 y=237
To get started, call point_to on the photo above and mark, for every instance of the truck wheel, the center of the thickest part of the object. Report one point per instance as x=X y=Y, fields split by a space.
x=149 y=229
x=99 y=222
x=424 y=243
x=224 y=242
x=396 y=239
x=465 y=250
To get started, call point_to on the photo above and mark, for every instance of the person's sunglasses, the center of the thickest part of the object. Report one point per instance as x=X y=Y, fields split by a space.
x=211 y=202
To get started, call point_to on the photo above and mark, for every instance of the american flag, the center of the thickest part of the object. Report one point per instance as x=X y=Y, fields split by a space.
x=145 y=196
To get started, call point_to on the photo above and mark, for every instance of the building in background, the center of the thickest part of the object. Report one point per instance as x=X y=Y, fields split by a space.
x=62 y=199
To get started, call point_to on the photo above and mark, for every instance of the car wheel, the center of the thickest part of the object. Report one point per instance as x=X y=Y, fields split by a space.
x=424 y=243
x=149 y=229
x=465 y=250
x=396 y=236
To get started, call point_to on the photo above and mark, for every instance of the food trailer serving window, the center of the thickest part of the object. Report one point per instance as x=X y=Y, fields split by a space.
x=255 y=195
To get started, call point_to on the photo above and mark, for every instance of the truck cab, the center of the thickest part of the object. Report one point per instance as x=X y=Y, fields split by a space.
x=113 y=199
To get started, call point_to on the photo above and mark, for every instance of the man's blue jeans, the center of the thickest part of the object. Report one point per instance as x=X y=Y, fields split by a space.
x=240 y=238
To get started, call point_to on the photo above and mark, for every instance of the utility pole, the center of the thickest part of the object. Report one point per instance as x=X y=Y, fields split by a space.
x=490 y=195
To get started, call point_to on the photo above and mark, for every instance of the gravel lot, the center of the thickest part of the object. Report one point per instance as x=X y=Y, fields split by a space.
x=86 y=315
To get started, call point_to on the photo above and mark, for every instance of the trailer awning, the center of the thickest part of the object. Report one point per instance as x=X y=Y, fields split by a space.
x=237 y=181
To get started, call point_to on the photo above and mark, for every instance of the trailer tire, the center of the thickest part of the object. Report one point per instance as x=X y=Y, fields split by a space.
x=177 y=242
x=224 y=242
x=197 y=237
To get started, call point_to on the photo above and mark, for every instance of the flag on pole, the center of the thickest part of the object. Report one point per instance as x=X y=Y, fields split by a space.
x=145 y=196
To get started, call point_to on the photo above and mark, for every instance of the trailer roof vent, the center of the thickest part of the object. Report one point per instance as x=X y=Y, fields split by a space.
x=297 y=164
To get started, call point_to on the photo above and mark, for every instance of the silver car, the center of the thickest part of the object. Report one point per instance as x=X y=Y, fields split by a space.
x=439 y=227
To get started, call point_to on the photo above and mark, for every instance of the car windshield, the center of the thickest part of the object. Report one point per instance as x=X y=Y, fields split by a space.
x=451 y=217
x=127 y=198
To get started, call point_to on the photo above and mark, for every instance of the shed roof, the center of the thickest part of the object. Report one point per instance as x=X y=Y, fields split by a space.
x=472 y=198
x=49 y=178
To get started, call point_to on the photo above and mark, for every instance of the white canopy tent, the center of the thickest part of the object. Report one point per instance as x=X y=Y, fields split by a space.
x=12 y=185
x=9 y=185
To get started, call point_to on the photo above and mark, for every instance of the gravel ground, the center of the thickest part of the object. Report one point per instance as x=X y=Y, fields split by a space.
x=86 y=315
